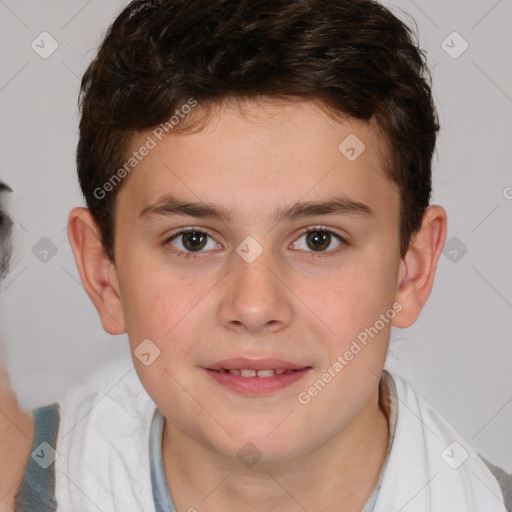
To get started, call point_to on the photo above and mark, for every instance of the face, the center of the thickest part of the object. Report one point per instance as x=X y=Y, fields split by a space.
x=287 y=257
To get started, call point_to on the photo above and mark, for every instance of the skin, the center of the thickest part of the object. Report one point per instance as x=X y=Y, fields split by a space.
x=16 y=428
x=293 y=302
x=16 y=433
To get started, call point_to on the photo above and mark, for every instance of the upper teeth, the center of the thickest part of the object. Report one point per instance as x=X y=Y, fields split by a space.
x=254 y=373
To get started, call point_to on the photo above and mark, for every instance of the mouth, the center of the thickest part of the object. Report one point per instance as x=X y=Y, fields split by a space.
x=256 y=376
x=263 y=373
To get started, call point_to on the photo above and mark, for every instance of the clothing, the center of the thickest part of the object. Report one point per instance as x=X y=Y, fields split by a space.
x=37 y=490
x=161 y=495
x=109 y=456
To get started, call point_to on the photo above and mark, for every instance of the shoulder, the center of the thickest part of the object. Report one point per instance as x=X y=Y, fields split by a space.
x=505 y=481
x=96 y=438
x=103 y=443
x=111 y=398
x=437 y=448
x=16 y=434
x=37 y=489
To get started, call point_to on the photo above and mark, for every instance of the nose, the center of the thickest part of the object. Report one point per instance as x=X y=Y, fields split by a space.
x=254 y=299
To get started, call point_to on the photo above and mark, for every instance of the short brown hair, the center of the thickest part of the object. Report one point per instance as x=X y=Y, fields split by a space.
x=354 y=56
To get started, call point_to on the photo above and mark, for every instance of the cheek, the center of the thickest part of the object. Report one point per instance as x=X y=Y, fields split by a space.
x=146 y=312
x=155 y=298
x=354 y=297
x=154 y=309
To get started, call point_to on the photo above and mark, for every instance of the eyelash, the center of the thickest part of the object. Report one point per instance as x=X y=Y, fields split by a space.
x=319 y=254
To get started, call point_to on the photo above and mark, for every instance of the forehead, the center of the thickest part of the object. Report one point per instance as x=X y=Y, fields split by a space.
x=251 y=156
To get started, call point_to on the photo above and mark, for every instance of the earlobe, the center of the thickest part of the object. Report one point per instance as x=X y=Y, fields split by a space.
x=418 y=266
x=97 y=272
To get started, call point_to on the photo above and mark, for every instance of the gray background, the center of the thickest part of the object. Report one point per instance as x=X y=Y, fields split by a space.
x=458 y=354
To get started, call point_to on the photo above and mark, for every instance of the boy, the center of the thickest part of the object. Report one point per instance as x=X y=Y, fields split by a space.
x=15 y=424
x=258 y=177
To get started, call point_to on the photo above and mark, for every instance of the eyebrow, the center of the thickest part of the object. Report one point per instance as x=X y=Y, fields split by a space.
x=169 y=206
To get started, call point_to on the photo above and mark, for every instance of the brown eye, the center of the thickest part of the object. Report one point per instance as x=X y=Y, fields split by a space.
x=192 y=241
x=318 y=240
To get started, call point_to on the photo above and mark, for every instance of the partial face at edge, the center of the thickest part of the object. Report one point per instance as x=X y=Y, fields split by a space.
x=304 y=299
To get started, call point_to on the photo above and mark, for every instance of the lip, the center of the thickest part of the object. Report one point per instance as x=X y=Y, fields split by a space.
x=255 y=364
x=256 y=385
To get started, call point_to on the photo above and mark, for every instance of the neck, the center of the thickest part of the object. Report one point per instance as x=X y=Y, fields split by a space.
x=342 y=470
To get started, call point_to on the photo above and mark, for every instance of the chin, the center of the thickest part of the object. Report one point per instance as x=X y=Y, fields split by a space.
x=255 y=447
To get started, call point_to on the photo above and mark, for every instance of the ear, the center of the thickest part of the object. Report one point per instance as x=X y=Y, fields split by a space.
x=97 y=273
x=418 y=266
